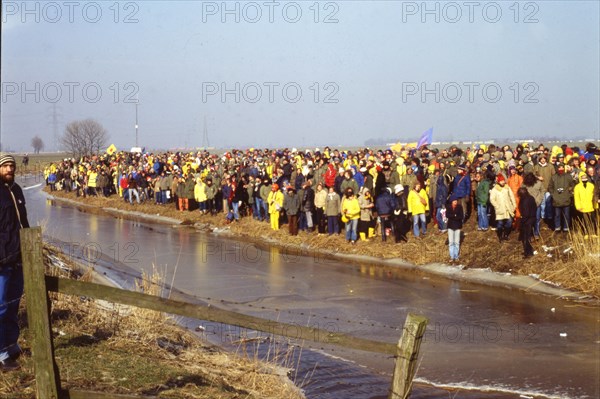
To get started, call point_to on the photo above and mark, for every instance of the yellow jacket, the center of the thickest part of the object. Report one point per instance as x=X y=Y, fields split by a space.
x=92 y=178
x=415 y=205
x=401 y=169
x=275 y=201
x=351 y=208
x=200 y=192
x=584 y=197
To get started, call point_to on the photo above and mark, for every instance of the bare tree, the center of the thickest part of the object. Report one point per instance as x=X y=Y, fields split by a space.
x=84 y=137
x=38 y=144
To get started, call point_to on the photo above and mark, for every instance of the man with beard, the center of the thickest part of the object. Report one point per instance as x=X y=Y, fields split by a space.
x=13 y=217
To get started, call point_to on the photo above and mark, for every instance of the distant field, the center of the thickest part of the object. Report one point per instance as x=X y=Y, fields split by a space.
x=37 y=161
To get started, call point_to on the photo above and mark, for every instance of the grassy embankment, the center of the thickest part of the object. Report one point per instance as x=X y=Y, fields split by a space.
x=123 y=350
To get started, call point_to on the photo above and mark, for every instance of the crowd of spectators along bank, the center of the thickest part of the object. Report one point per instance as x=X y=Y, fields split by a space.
x=364 y=191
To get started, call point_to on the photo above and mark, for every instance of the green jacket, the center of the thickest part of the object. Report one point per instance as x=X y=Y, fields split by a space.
x=482 y=193
x=190 y=184
x=211 y=191
x=561 y=189
x=349 y=183
x=291 y=204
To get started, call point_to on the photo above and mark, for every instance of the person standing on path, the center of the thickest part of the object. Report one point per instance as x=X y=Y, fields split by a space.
x=13 y=217
x=455 y=215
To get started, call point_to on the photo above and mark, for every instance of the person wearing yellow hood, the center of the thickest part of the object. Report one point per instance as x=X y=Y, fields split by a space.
x=583 y=195
x=200 y=195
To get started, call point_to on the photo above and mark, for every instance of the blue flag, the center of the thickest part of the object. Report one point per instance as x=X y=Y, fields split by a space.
x=426 y=138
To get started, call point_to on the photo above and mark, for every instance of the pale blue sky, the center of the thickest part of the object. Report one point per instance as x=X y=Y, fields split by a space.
x=371 y=57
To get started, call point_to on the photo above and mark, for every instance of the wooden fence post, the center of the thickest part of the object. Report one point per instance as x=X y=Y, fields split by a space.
x=408 y=353
x=46 y=372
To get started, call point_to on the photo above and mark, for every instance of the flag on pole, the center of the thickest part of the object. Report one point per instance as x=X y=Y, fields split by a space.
x=111 y=150
x=426 y=138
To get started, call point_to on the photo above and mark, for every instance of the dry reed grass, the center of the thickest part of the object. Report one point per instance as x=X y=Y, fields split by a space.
x=108 y=347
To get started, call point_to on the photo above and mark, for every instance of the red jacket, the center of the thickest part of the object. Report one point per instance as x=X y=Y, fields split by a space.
x=330 y=175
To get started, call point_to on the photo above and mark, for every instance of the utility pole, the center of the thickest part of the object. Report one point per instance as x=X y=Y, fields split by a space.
x=54 y=122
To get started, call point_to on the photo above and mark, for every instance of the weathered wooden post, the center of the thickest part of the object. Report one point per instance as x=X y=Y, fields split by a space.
x=46 y=372
x=407 y=355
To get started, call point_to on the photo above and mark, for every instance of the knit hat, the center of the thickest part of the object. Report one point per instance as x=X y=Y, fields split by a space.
x=6 y=158
x=275 y=187
x=500 y=178
x=398 y=188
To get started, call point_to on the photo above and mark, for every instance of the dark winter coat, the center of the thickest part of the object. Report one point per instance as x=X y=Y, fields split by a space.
x=561 y=189
x=385 y=203
x=308 y=200
x=441 y=193
x=462 y=187
x=291 y=204
x=528 y=209
x=455 y=217
x=10 y=245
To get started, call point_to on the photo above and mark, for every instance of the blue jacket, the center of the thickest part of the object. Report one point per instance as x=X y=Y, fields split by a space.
x=385 y=203
x=360 y=179
x=157 y=167
x=226 y=190
x=441 y=194
x=462 y=187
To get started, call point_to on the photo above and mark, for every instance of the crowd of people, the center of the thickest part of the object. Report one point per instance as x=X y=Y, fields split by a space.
x=364 y=192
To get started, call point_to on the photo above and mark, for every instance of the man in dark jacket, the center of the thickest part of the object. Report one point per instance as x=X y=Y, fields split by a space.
x=13 y=217
x=401 y=223
x=308 y=204
x=461 y=189
x=561 y=189
x=385 y=204
x=528 y=209
x=440 y=200
x=291 y=204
